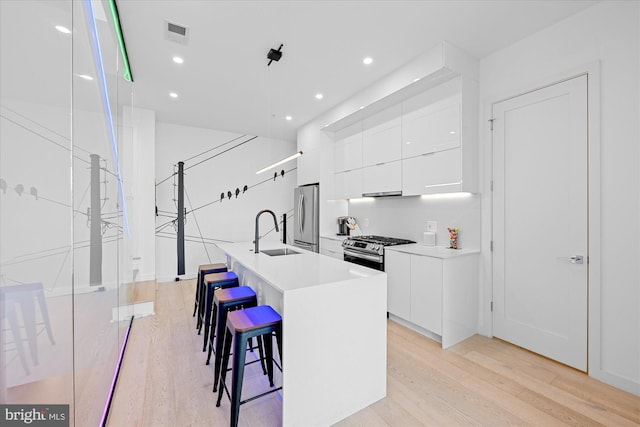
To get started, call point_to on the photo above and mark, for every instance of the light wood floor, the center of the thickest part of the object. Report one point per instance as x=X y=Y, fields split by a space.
x=482 y=381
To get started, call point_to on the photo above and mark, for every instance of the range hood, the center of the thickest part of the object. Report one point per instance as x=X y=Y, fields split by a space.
x=383 y=194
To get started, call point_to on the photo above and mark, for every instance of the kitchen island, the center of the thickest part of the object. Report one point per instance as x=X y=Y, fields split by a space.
x=334 y=329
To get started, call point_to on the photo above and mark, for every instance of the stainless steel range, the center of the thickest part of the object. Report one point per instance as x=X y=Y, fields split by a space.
x=369 y=250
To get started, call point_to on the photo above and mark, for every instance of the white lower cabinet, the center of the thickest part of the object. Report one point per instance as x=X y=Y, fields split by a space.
x=331 y=247
x=426 y=293
x=436 y=294
x=398 y=268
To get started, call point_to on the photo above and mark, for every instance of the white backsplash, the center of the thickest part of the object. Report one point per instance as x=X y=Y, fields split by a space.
x=406 y=217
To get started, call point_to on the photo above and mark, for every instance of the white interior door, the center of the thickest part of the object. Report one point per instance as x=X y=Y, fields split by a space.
x=541 y=220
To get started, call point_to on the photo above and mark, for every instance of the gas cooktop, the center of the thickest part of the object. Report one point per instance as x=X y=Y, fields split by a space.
x=381 y=240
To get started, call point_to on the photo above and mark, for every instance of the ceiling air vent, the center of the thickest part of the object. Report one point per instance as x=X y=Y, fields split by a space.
x=176 y=33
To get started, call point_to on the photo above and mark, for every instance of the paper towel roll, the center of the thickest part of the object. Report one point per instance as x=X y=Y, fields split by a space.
x=429 y=238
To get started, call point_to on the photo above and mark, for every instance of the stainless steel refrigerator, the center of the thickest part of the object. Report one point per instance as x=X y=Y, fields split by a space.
x=306 y=228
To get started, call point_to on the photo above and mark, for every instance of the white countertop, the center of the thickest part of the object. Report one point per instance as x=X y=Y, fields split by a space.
x=334 y=237
x=291 y=272
x=442 y=252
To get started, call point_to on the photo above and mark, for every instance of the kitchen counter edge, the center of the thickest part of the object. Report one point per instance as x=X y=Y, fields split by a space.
x=441 y=252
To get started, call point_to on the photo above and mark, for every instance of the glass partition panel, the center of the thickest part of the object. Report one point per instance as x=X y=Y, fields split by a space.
x=36 y=199
x=64 y=246
x=100 y=228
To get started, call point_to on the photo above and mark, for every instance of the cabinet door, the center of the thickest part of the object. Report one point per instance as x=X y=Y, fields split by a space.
x=348 y=185
x=353 y=184
x=353 y=151
x=381 y=137
x=432 y=128
x=433 y=173
x=339 y=189
x=398 y=268
x=339 y=156
x=347 y=152
x=382 y=178
x=308 y=167
x=330 y=247
x=426 y=293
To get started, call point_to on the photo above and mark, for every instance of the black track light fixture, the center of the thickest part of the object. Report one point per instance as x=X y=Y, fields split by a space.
x=274 y=55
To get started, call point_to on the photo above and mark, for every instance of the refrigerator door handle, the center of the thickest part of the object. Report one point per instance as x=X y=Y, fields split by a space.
x=299 y=216
x=302 y=212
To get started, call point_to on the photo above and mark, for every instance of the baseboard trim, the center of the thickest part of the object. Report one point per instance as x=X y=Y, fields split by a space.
x=622 y=383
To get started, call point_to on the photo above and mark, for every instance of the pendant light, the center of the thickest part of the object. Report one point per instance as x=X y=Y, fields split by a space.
x=274 y=55
x=285 y=160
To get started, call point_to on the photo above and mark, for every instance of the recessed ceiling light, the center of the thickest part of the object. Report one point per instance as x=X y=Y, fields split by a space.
x=63 y=30
x=288 y=118
x=361 y=107
x=368 y=60
x=453 y=132
x=173 y=94
x=415 y=80
x=84 y=76
x=319 y=96
x=178 y=60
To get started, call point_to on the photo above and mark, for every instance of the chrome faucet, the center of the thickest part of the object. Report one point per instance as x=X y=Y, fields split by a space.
x=275 y=221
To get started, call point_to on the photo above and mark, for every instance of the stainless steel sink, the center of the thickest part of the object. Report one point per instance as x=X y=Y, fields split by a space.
x=279 y=252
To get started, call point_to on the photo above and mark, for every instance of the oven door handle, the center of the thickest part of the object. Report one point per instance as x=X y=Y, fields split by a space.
x=355 y=254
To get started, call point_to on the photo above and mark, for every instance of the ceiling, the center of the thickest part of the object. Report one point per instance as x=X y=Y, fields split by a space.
x=225 y=83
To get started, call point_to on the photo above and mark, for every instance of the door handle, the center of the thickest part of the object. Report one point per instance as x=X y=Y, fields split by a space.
x=302 y=210
x=576 y=259
x=299 y=219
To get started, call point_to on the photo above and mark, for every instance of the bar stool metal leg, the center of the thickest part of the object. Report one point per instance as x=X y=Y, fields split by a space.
x=198 y=305
x=261 y=321
x=212 y=282
x=225 y=301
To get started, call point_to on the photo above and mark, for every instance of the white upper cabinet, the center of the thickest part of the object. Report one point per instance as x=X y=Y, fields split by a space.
x=439 y=172
x=382 y=178
x=348 y=185
x=348 y=149
x=439 y=139
x=418 y=135
x=432 y=128
x=381 y=137
x=308 y=167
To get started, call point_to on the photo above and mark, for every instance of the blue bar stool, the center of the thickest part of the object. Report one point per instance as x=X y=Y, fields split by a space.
x=242 y=325
x=224 y=301
x=212 y=282
x=203 y=270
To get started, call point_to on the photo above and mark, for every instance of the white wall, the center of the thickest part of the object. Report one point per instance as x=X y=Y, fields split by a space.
x=607 y=32
x=406 y=217
x=140 y=163
x=229 y=220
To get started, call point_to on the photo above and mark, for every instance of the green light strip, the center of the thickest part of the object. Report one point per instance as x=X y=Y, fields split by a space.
x=123 y=48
